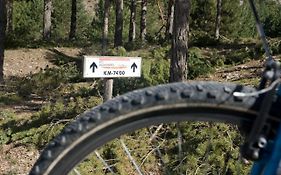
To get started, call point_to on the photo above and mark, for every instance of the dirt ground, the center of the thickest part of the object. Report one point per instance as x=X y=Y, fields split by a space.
x=20 y=62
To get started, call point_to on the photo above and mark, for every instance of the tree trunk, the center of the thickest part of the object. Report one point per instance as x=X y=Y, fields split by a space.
x=170 y=19
x=73 y=23
x=143 y=20
x=119 y=23
x=218 y=19
x=47 y=22
x=108 y=89
x=132 y=29
x=178 y=68
x=105 y=26
x=9 y=6
x=108 y=83
x=241 y=2
x=3 y=23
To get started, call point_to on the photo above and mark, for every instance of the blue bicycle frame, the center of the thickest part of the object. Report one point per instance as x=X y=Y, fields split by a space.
x=270 y=158
x=270 y=162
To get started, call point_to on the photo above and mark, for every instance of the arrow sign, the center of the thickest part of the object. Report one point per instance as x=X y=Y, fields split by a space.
x=94 y=66
x=111 y=66
x=134 y=66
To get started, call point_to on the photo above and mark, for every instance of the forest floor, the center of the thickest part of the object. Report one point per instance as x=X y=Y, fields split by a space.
x=17 y=158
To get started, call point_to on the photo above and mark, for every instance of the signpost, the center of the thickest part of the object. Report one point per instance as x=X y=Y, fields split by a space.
x=111 y=66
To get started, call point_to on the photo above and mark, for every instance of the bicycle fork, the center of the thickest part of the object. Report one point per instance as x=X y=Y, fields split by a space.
x=270 y=164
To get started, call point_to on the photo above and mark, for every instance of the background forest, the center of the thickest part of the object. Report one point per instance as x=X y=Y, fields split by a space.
x=37 y=102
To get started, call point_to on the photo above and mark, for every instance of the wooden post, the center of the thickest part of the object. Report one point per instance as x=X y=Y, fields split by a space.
x=108 y=88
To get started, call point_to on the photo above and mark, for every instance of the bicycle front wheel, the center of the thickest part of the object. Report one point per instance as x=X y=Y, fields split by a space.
x=177 y=102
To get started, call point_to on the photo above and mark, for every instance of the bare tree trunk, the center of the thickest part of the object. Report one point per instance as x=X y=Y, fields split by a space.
x=218 y=19
x=47 y=22
x=178 y=68
x=73 y=23
x=3 y=23
x=132 y=29
x=108 y=83
x=241 y=2
x=105 y=26
x=170 y=19
x=143 y=19
x=119 y=23
x=9 y=6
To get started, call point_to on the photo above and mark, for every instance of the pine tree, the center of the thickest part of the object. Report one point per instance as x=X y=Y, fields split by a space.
x=143 y=19
x=118 y=23
x=47 y=21
x=178 y=68
x=3 y=22
x=73 y=23
x=132 y=29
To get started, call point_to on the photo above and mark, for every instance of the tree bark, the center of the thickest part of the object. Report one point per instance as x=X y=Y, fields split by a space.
x=218 y=19
x=118 y=23
x=47 y=22
x=3 y=23
x=9 y=6
x=105 y=26
x=143 y=19
x=170 y=19
x=73 y=23
x=108 y=83
x=132 y=29
x=178 y=68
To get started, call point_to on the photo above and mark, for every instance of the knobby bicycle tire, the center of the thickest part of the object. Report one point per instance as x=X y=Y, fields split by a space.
x=199 y=101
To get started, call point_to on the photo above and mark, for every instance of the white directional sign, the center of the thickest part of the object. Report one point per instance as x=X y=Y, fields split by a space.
x=109 y=67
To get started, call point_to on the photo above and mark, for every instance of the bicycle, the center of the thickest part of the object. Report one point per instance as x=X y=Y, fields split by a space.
x=256 y=111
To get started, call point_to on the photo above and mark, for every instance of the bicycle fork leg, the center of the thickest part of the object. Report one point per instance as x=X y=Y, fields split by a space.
x=270 y=163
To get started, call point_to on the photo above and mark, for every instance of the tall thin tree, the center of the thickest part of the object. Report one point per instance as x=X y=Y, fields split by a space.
x=73 y=21
x=170 y=19
x=178 y=68
x=118 y=41
x=9 y=6
x=218 y=19
x=108 y=83
x=3 y=22
x=105 y=25
x=143 y=19
x=47 y=19
x=132 y=29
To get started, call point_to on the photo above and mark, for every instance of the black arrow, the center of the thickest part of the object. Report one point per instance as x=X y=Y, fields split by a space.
x=93 y=65
x=134 y=66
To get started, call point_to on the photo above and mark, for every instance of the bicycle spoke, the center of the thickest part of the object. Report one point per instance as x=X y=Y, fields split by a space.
x=153 y=136
x=104 y=162
x=157 y=151
x=130 y=157
x=76 y=171
x=180 y=151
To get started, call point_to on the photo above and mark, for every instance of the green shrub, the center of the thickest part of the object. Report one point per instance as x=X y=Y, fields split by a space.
x=203 y=39
x=48 y=80
x=275 y=46
x=238 y=56
x=155 y=70
x=117 y=51
x=45 y=124
x=197 y=64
